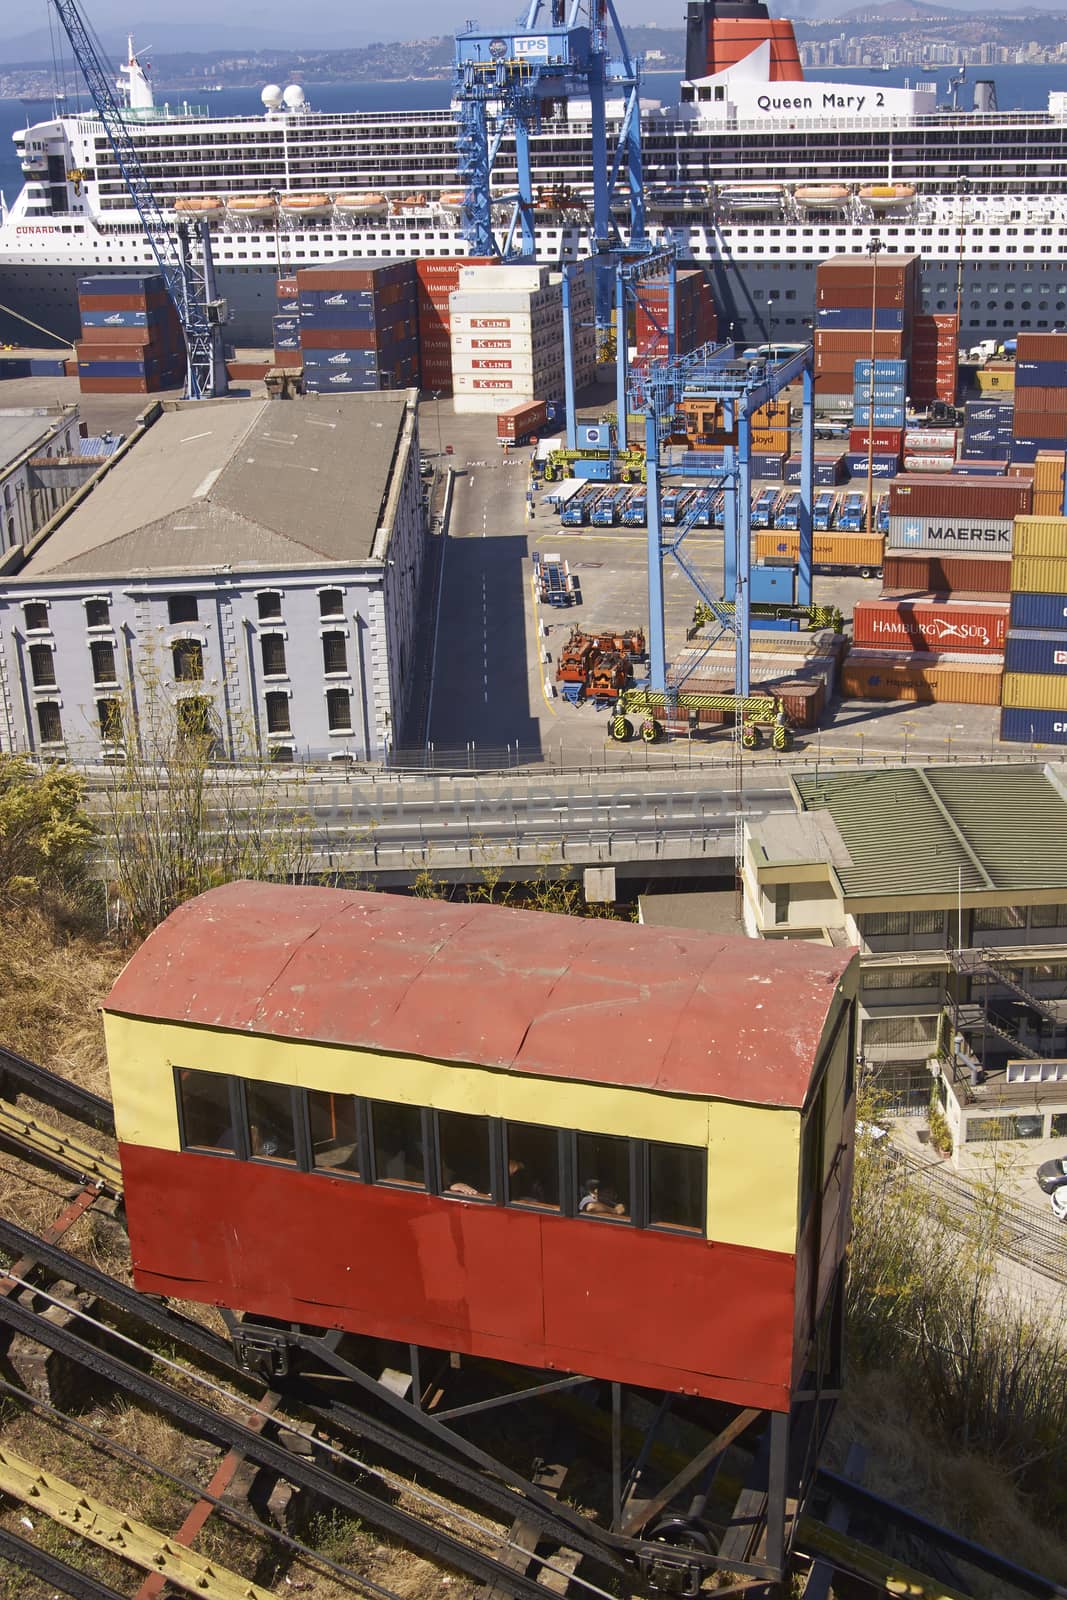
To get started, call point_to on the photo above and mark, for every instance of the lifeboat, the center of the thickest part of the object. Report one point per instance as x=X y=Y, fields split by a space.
x=751 y=196
x=407 y=202
x=452 y=199
x=361 y=202
x=884 y=196
x=199 y=205
x=303 y=204
x=822 y=196
x=558 y=197
x=252 y=205
x=694 y=198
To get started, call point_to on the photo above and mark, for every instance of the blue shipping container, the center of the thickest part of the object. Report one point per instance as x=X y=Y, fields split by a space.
x=884 y=466
x=857 y=319
x=286 y=324
x=348 y=317
x=125 y=283
x=987 y=463
x=1037 y=650
x=1026 y=450
x=881 y=417
x=13 y=369
x=289 y=307
x=988 y=413
x=987 y=436
x=126 y=319
x=767 y=466
x=1041 y=727
x=337 y=299
x=338 y=360
x=46 y=367
x=120 y=369
x=340 y=382
x=886 y=370
x=1041 y=374
x=1044 y=612
x=885 y=394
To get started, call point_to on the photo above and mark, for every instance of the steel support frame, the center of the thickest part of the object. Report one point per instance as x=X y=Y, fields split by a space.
x=27 y=1557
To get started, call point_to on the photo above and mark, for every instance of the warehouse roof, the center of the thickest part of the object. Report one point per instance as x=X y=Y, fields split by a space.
x=20 y=431
x=934 y=830
x=241 y=483
x=557 y=997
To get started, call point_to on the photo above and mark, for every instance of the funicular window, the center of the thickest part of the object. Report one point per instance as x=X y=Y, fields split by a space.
x=676 y=1187
x=603 y=1176
x=333 y=1124
x=399 y=1144
x=532 y=1164
x=271 y=1130
x=464 y=1150
x=204 y=1106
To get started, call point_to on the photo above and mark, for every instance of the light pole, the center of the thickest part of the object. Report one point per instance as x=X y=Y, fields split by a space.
x=872 y=247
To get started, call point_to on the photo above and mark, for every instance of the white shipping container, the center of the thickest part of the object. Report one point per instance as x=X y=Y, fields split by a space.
x=929 y=463
x=494 y=277
x=931 y=441
x=946 y=535
x=546 y=306
x=509 y=390
x=482 y=404
x=487 y=342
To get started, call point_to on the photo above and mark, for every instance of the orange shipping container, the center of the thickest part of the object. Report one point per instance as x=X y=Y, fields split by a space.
x=886 y=345
x=863 y=551
x=896 y=675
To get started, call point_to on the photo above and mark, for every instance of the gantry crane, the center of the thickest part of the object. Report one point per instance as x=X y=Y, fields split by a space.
x=506 y=82
x=190 y=283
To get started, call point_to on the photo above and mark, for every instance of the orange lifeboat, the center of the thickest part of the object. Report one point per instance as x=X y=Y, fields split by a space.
x=821 y=196
x=252 y=205
x=306 y=205
x=884 y=196
x=408 y=202
x=199 y=205
x=452 y=199
x=360 y=202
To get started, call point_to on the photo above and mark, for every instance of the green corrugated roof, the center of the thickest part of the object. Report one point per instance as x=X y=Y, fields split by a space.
x=916 y=830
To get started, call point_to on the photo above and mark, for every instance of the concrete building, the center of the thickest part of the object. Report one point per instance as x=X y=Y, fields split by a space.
x=953 y=882
x=30 y=436
x=244 y=565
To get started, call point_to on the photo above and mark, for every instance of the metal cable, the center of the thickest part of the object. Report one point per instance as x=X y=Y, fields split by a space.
x=389 y=1479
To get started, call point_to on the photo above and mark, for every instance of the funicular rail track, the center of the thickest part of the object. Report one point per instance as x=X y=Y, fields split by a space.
x=524 y=1515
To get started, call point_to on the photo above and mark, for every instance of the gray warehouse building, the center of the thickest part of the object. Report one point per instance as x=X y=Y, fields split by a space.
x=246 y=565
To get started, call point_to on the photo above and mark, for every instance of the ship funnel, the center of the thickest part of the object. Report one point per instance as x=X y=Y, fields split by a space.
x=720 y=33
x=985 y=95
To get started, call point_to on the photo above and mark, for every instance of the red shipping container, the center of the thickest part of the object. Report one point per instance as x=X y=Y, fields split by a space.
x=522 y=420
x=959 y=497
x=1041 y=347
x=285 y=288
x=339 y=339
x=858 y=297
x=858 y=345
x=927 y=577
x=247 y=369
x=287 y=358
x=158 y=301
x=932 y=626
x=883 y=442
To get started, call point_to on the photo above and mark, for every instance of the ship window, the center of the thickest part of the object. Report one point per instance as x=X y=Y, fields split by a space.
x=271 y=1129
x=532 y=1166
x=603 y=1176
x=205 y=1115
x=399 y=1144
x=182 y=608
x=463 y=1147
x=676 y=1187
x=334 y=1129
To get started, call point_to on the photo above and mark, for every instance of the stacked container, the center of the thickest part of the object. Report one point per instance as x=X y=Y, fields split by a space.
x=934 y=356
x=988 y=430
x=1035 y=680
x=131 y=339
x=506 y=335
x=695 y=321
x=851 y=294
x=1040 y=394
x=935 y=519
x=286 y=323
x=358 y=326
x=436 y=279
x=929 y=449
x=878 y=410
x=1048 y=483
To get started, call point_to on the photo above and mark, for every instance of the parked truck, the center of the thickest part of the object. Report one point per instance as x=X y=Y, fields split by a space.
x=521 y=424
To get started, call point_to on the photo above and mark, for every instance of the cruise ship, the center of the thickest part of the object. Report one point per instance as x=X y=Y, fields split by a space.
x=756 y=172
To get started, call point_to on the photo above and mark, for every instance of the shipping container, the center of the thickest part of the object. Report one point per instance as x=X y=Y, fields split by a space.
x=988 y=413
x=863 y=416
x=286 y=288
x=878 y=675
x=883 y=441
x=1039 y=574
x=1044 y=612
x=960 y=498
x=1037 y=650
x=850 y=319
x=829 y=343
x=948 y=535
x=978 y=463
x=928 y=464
x=931 y=626
x=521 y=422
x=1027 y=450
x=880 y=394
x=768 y=464
x=858 y=295
x=159 y=303
x=1041 y=347
x=827 y=469
x=1040 y=536
x=123 y=283
x=995 y=380
x=357 y=273
x=921 y=576
x=1040 y=374
x=935 y=441
x=858 y=552
x=882 y=467
x=1035 y=691
x=1029 y=726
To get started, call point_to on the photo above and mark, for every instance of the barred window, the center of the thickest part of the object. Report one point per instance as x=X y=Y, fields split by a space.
x=36 y=615
x=990 y=919
x=339 y=710
x=331 y=603
x=273 y=648
x=102 y=653
x=334 y=652
x=1048 y=916
x=49 y=722
x=109 y=715
x=278 y=713
x=883 y=924
x=42 y=665
x=97 y=613
x=188 y=660
x=269 y=604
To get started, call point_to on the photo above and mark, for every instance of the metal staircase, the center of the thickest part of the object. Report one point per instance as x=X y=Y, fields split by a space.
x=989 y=967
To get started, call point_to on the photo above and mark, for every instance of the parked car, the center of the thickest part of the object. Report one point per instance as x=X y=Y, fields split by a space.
x=1052 y=1175
x=1059 y=1203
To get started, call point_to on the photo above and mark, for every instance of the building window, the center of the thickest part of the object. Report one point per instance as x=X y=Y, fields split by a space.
x=42 y=666
x=928 y=922
x=999 y=919
x=339 y=710
x=271 y=1131
x=278 y=713
x=109 y=715
x=334 y=653
x=188 y=660
x=334 y=1132
x=676 y=1187
x=782 y=892
x=102 y=652
x=97 y=613
x=36 y=615
x=194 y=718
x=331 y=603
x=603 y=1176
x=49 y=722
x=883 y=924
x=1048 y=916
x=532 y=1160
x=273 y=648
x=399 y=1146
x=204 y=1111
x=463 y=1142
x=269 y=605
x=182 y=608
